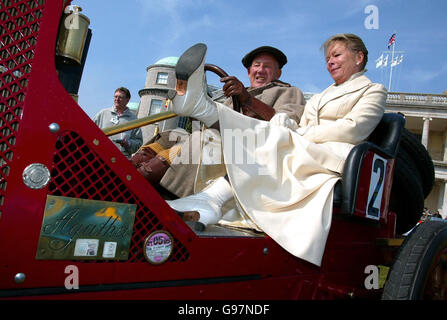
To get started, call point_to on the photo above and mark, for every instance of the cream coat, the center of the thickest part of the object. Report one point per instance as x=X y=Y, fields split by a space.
x=284 y=184
x=345 y=114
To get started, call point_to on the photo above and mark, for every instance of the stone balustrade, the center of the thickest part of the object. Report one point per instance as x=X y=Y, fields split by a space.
x=403 y=98
x=420 y=99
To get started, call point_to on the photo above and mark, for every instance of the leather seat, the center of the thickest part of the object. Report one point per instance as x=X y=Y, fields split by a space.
x=384 y=140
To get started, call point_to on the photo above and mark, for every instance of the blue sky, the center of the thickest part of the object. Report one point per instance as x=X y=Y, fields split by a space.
x=129 y=36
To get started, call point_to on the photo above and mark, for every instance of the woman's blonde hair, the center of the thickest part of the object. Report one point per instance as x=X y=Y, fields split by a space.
x=353 y=43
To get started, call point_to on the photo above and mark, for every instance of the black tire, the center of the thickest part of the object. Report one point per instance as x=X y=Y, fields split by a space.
x=420 y=268
x=407 y=197
x=411 y=144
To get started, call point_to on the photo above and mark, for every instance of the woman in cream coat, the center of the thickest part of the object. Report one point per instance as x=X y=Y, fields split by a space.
x=285 y=184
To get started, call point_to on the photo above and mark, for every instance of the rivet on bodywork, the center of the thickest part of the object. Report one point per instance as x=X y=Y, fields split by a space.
x=54 y=127
x=19 y=277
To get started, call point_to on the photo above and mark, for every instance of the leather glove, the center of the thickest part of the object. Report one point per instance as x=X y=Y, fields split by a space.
x=234 y=87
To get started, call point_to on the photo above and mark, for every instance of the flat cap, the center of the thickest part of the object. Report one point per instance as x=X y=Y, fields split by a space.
x=276 y=53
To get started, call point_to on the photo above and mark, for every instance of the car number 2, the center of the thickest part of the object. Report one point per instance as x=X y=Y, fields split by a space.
x=376 y=187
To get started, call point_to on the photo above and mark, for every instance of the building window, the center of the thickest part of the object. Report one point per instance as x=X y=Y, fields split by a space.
x=156 y=106
x=162 y=78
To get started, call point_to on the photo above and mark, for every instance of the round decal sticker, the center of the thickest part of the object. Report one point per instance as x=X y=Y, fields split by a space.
x=158 y=247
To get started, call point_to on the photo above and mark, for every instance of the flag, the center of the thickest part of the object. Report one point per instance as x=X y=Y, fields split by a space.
x=391 y=41
x=379 y=61
x=385 y=61
x=395 y=62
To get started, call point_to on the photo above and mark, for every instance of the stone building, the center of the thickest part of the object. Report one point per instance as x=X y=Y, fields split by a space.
x=426 y=117
x=160 y=78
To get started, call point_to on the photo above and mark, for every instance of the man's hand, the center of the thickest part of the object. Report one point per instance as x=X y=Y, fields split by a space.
x=250 y=106
x=234 y=87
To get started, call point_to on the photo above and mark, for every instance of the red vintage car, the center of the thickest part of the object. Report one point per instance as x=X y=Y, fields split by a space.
x=77 y=221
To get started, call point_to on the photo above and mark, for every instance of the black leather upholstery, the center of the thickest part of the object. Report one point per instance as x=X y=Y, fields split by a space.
x=387 y=134
x=384 y=141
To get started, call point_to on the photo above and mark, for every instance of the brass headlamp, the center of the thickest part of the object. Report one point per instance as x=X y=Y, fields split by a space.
x=72 y=34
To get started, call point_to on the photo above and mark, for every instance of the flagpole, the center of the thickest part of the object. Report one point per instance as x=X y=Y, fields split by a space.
x=383 y=62
x=391 y=64
x=391 y=67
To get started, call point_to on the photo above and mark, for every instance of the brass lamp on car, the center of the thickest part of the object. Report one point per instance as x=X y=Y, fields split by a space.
x=72 y=34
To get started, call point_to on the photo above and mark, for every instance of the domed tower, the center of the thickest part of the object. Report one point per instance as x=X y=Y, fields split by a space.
x=159 y=79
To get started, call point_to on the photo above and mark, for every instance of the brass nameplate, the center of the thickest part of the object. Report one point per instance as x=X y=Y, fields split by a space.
x=79 y=229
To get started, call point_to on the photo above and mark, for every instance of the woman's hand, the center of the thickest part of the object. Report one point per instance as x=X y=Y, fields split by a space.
x=283 y=120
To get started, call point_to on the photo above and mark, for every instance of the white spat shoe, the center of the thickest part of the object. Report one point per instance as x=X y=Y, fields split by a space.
x=190 y=98
x=207 y=202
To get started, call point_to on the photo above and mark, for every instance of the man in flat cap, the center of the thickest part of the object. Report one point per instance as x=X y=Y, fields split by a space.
x=266 y=96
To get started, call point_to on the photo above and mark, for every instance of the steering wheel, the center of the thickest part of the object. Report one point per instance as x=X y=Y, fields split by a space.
x=221 y=73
